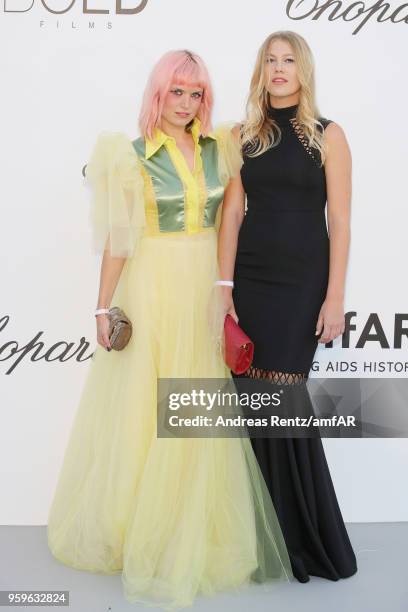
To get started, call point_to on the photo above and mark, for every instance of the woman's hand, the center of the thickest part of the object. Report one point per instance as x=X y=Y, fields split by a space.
x=330 y=320
x=228 y=303
x=102 y=327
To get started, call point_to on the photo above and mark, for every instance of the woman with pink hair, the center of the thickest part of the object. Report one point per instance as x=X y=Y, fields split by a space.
x=176 y=516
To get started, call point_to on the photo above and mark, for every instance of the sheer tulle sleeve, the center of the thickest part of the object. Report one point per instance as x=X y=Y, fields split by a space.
x=229 y=153
x=117 y=212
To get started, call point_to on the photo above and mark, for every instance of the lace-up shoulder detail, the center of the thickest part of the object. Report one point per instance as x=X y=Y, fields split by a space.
x=278 y=378
x=297 y=128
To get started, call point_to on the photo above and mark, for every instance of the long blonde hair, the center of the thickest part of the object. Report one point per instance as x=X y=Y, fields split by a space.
x=259 y=131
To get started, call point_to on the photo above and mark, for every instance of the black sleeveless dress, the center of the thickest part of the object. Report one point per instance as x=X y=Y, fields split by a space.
x=280 y=283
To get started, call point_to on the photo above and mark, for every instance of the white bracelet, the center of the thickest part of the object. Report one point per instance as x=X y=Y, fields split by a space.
x=227 y=283
x=102 y=311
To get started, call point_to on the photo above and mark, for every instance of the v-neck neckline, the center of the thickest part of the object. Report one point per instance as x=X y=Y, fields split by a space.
x=185 y=161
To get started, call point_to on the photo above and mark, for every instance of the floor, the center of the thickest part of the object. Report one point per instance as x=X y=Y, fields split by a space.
x=381 y=584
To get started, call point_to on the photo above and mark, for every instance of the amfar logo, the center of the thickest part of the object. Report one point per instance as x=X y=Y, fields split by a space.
x=347 y=11
x=22 y=6
x=36 y=350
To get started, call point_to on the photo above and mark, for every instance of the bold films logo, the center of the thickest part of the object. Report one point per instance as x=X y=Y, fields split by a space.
x=74 y=14
x=59 y=7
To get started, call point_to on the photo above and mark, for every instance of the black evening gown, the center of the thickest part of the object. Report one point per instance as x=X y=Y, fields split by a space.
x=280 y=282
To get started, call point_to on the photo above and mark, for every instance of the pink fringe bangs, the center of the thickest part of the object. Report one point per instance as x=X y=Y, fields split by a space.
x=183 y=68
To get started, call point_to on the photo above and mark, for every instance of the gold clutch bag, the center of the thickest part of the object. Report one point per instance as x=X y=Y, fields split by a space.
x=120 y=328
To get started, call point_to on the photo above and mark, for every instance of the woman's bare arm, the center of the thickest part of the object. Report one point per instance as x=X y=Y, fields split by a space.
x=111 y=269
x=338 y=180
x=233 y=211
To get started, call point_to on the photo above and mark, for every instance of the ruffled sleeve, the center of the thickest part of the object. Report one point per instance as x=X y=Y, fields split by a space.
x=229 y=153
x=117 y=212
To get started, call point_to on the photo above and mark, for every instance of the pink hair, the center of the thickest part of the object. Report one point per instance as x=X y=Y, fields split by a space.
x=183 y=68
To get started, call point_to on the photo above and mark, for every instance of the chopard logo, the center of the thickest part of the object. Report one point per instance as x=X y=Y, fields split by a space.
x=54 y=6
x=357 y=12
x=34 y=350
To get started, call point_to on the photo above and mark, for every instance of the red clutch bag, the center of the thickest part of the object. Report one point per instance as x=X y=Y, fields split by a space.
x=238 y=348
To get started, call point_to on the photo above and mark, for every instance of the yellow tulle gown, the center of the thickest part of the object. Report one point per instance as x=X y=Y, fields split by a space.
x=176 y=517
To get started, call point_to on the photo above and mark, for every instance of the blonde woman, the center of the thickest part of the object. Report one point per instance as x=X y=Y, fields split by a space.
x=289 y=277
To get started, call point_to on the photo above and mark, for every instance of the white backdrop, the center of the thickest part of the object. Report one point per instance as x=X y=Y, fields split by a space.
x=67 y=77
